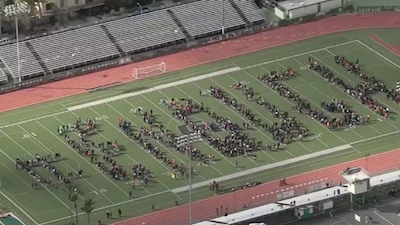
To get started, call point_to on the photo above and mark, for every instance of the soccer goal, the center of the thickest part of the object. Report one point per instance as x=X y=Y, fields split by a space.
x=138 y=72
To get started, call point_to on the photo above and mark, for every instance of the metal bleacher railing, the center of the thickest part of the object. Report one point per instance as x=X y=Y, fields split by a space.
x=73 y=48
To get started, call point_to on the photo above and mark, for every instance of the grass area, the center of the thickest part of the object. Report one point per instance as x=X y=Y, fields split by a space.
x=33 y=130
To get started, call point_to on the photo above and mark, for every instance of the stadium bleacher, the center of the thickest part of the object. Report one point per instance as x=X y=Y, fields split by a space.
x=29 y=65
x=144 y=31
x=249 y=12
x=74 y=48
x=3 y=76
x=209 y=16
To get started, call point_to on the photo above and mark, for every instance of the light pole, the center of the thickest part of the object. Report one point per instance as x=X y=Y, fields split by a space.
x=140 y=7
x=366 y=160
x=188 y=140
x=175 y=33
x=223 y=17
x=14 y=10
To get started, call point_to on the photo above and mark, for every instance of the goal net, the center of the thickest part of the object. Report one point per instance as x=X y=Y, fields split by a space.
x=149 y=70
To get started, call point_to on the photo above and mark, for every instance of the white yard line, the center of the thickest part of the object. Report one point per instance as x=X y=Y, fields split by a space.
x=316 y=103
x=63 y=142
x=31 y=155
x=39 y=144
x=379 y=54
x=12 y=133
x=189 y=80
x=20 y=209
x=179 y=122
x=129 y=157
x=107 y=207
x=67 y=165
x=216 y=151
x=102 y=135
x=300 y=54
x=237 y=114
x=292 y=104
x=328 y=97
x=261 y=114
x=339 y=90
x=112 y=125
x=160 y=87
x=305 y=163
x=19 y=177
x=345 y=77
x=267 y=167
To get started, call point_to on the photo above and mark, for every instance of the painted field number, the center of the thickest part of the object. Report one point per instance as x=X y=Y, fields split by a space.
x=167 y=174
x=102 y=117
x=137 y=182
x=101 y=190
x=136 y=109
x=350 y=128
x=29 y=135
x=315 y=136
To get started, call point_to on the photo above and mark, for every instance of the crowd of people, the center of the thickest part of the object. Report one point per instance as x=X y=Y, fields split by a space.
x=107 y=151
x=374 y=84
x=362 y=91
x=349 y=117
x=166 y=138
x=223 y=98
x=289 y=128
x=46 y=162
x=237 y=143
x=299 y=105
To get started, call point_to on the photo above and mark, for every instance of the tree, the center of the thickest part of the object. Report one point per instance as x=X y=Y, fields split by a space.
x=88 y=207
x=72 y=199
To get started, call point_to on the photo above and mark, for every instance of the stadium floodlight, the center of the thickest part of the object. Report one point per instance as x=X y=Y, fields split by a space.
x=15 y=10
x=188 y=140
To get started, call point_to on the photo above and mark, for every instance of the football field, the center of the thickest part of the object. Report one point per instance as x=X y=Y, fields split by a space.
x=32 y=131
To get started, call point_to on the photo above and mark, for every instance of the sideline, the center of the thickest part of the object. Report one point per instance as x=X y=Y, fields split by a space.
x=265 y=167
x=20 y=209
x=156 y=88
x=197 y=78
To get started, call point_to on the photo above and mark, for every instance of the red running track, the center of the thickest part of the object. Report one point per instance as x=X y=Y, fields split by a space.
x=197 y=56
x=394 y=49
x=206 y=209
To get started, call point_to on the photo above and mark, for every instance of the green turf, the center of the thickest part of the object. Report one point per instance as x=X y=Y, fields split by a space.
x=32 y=130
